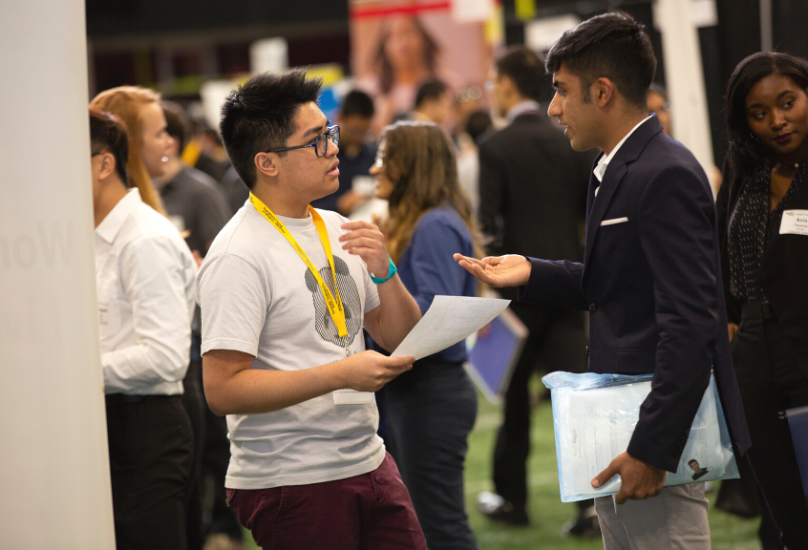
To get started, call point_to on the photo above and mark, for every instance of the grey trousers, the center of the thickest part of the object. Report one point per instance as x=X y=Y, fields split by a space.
x=676 y=519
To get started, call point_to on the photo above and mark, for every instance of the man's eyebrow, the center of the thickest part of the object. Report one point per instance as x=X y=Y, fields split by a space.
x=317 y=130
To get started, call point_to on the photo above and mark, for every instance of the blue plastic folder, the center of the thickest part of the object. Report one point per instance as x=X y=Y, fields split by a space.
x=798 y=423
x=494 y=354
x=594 y=416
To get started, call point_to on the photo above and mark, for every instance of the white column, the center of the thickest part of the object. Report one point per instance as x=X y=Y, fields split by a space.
x=766 y=31
x=684 y=79
x=54 y=471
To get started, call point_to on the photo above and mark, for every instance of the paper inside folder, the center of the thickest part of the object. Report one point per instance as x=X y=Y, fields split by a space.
x=594 y=416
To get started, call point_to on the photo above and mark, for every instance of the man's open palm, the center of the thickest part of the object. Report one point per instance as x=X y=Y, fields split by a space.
x=500 y=271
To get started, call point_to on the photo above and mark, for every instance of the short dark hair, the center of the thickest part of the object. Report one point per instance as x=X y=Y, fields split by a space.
x=612 y=45
x=431 y=89
x=478 y=123
x=257 y=116
x=178 y=124
x=525 y=70
x=691 y=461
x=108 y=134
x=746 y=154
x=357 y=103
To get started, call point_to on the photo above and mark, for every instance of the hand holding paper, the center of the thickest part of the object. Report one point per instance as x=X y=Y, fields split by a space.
x=449 y=320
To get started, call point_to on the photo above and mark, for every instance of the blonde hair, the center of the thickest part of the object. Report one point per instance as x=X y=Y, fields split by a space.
x=126 y=102
x=419 y=160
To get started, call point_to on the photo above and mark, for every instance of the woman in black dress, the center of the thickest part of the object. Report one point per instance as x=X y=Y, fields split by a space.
x=765 y=262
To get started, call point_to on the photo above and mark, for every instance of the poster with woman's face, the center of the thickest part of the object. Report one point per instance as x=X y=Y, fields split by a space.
x=396 y=45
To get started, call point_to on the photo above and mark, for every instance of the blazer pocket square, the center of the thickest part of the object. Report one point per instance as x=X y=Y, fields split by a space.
x=613 y=222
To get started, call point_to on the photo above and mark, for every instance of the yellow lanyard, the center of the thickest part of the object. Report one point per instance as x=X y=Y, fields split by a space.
x=334 y=305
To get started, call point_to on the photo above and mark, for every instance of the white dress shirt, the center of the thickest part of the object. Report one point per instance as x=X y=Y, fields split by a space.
x=603 y=163
x=145 y=278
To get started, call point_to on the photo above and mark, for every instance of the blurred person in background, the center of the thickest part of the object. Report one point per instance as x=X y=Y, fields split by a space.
x=532 y=201
x=195 y=205
x=433 y=102
x=406 y=56
x=192 y=199
x=477 y=125
x=431 y=409
x=149 y=142
x=658 y=105
x=145 y=284
x=204 y=150
x=356 y=155
x=235 y=192
x=765 y=261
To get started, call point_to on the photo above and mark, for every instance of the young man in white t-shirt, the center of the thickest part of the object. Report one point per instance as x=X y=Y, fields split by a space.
x=285 y=291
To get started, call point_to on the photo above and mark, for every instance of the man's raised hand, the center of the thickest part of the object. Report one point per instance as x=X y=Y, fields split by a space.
x=366 y=241
x=499 y=271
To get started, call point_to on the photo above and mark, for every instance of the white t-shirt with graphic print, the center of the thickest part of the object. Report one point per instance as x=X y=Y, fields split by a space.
x=258 y=297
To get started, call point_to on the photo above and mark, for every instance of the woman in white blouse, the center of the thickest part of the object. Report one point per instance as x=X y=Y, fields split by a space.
x=145 y=279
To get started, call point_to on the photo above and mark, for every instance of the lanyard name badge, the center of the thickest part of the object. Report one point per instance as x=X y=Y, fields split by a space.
x=334 y=303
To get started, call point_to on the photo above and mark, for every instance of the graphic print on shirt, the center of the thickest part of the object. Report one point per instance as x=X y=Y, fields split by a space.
x=350 y=300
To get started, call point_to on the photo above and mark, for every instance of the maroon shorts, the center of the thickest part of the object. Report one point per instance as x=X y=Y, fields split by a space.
x=371 y=511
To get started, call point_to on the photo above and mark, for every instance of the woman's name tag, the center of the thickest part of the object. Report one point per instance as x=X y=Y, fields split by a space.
x=353 y=397
x=795 y=222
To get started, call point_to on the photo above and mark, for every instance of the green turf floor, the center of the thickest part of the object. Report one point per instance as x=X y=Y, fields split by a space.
x=547 y=512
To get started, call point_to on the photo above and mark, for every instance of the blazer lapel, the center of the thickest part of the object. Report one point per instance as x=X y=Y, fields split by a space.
x=611 y=180
x=618 y=167
x=593 y=184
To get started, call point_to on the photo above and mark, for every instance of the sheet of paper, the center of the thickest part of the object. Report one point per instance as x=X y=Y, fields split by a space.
x=602 y=424
x=449 y=320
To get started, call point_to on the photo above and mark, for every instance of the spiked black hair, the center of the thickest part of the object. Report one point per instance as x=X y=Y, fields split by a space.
x=258 y=116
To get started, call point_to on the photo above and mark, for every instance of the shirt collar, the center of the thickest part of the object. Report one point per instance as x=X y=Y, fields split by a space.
x=603 y=163
x=109 y=228
x=521 y=108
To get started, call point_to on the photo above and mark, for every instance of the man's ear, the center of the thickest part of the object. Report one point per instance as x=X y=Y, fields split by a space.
x=267 y=164
x=602 y=91
x=107 y=166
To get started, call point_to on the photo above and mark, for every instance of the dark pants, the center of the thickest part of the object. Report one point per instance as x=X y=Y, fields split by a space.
x=150 y=455
x=430 y=411
x=220 y=518
x=771 y=381
x=556 y=341
x=366 y=512
x=193 y=401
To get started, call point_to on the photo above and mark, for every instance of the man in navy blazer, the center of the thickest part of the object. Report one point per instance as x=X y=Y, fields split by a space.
x=651 y=277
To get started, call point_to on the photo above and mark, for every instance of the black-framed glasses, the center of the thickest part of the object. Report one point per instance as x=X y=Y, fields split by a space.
x=320 y=143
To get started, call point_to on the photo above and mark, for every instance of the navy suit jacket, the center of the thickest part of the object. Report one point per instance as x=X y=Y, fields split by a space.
x=654 y=290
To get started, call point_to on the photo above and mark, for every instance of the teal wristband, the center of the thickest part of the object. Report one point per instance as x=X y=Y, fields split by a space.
x=390 y=272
